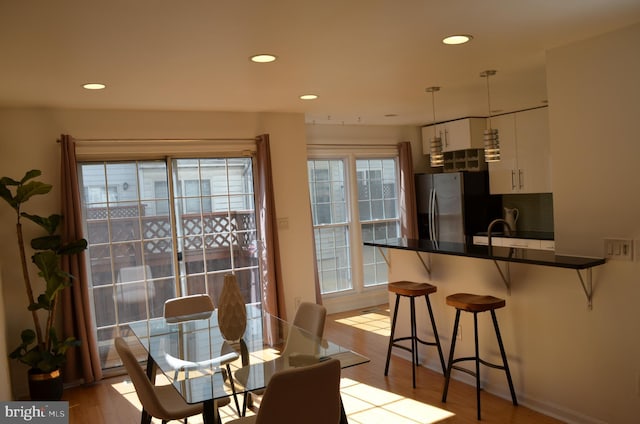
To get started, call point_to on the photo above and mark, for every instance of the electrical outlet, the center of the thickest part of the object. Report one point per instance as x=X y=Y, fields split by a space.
x=459 y=334
x=620 y=249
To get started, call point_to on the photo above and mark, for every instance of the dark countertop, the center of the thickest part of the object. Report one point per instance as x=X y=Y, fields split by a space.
x=534 y=235
x=506 y=254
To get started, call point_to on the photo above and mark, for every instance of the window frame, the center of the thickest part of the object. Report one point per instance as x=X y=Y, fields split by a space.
x=359 y=295
x=116 y=151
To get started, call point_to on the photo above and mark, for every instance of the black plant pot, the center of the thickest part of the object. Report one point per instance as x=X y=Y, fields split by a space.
x=45 y=385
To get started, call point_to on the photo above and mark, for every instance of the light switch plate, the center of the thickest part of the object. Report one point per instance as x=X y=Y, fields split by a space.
x=619 y=249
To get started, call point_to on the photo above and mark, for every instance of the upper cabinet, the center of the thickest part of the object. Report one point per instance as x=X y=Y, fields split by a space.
x=525 y=160
x=460 y=134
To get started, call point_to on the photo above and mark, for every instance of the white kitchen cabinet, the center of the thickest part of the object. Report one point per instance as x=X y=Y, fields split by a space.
x=525 y=160
x=461 y=134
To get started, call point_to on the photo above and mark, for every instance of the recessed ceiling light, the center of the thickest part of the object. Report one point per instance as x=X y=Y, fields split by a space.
x=309 y=96
x=263 y=58
x=94 y=86
x=457 y=39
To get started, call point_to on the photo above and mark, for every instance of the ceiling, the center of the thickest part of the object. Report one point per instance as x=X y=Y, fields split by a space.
x=369 y=61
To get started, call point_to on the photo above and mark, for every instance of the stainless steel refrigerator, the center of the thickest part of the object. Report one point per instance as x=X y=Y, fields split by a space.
x=454 y=206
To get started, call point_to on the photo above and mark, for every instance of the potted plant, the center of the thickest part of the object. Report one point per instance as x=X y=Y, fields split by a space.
x=40 y=348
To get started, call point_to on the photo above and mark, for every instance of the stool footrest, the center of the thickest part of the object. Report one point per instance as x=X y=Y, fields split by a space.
x=424 y=342
x=473 y=358
x=462 y=369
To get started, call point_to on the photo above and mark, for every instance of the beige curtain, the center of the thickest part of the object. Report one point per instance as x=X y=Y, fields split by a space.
x=271 y=272
x=408 y=209
x=315 y=263
x=82 y=362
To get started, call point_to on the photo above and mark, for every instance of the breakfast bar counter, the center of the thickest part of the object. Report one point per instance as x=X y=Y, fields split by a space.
x=498 y=254
x=506 y=254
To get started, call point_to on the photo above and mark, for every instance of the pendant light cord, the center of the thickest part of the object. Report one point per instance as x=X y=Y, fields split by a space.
x=488 y=100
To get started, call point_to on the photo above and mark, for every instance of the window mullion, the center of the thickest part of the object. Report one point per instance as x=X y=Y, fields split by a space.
x=355 y=230
x=177 y=262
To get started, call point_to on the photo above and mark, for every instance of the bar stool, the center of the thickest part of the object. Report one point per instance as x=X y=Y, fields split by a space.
x=476 y=303
x=412 y=290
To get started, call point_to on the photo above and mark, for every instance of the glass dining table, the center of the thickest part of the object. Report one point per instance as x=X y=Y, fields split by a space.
x=204 y=367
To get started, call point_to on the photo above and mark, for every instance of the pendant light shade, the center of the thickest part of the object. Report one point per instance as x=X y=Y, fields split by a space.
x=491 y=140
x=436 y=157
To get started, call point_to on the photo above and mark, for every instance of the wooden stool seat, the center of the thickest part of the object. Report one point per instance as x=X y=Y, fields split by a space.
x=474 y=302
x=409 y=288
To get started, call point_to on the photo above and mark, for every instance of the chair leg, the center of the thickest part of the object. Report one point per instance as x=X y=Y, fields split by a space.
x=504 y=358
x=435 y=334
x=233 y=390
x=393 y=331
x=447 y=376
x=477 y=360
x=146 y=418
x=414 y=340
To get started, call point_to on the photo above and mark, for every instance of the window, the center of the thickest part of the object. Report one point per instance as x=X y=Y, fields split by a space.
x=378 y=202
x=146 y=247
x=353 y=199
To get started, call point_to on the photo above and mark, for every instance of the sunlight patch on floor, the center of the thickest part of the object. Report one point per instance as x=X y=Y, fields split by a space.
x=375 y=321
x=369 y=405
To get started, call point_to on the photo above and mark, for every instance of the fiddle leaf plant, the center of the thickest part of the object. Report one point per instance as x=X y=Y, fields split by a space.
x=40 y=347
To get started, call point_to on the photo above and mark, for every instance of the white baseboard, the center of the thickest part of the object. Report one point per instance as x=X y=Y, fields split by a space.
x=355 y=301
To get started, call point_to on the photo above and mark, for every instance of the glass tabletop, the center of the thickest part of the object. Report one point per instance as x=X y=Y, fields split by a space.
x=195 y=358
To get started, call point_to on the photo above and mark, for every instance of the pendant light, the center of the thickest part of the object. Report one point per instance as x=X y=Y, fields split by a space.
x=491 y=142
x=435 y=144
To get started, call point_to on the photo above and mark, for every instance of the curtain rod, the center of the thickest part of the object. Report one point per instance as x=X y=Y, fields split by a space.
x=182 y=140
x=351 y=145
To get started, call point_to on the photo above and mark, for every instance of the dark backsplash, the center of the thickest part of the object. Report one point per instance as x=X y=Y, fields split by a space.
x=536 y=210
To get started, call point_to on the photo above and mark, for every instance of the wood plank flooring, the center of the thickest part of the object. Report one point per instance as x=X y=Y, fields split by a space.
x=368 y=395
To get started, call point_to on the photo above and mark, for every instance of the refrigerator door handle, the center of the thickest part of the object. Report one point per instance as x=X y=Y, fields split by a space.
x=433 y=216
x=430 y=214
x=436 y=218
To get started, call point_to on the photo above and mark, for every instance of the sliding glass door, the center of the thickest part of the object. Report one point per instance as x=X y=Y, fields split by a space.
x=160 y=229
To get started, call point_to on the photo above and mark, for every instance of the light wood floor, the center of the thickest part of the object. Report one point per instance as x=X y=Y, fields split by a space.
x=369 y=397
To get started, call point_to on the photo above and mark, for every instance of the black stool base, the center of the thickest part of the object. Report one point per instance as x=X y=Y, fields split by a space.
x=393 y=341
x=477 y=360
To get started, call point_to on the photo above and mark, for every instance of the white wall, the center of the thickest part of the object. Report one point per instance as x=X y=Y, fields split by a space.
x=28 y=140
x=580 y=365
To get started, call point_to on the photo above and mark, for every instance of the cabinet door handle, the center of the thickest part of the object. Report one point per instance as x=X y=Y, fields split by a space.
x=446 y=138
x=513 y=179
x=520 y=178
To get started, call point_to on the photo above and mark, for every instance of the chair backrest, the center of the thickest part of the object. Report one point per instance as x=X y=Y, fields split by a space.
x=186 y=308
x=310 y=318
x=309 y=395
x=136 y=292
x=141 y=382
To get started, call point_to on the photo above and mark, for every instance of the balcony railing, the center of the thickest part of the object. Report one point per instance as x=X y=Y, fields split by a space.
x=122 y=235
